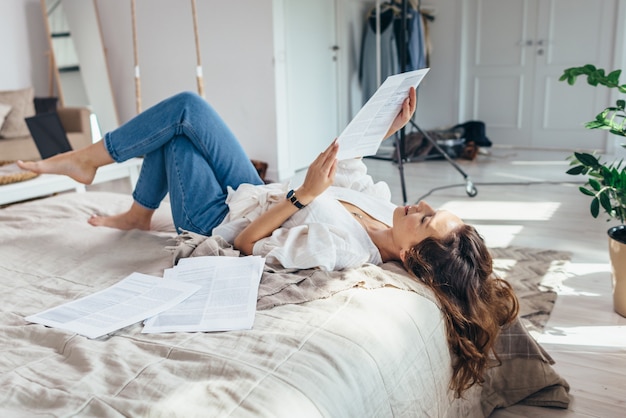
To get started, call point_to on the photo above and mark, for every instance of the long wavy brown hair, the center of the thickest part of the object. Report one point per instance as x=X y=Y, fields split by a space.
x=476 y=303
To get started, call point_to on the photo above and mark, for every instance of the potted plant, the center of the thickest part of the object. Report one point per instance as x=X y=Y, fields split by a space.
x=606 y=181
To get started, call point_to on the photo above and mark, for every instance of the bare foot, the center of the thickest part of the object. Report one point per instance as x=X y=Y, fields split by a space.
x=137 y=217
x=69 y=164
x=118 y=222
x=81 y=165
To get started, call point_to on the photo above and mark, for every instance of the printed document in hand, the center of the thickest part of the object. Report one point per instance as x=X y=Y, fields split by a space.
x=225 y=302
x=366 y=131
x=133 y=299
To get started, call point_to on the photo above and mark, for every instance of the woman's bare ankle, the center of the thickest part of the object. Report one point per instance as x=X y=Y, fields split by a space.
x=65 y=164
x=118 y=222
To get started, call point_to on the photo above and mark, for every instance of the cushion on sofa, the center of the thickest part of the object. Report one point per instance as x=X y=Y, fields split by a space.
x=75 y=120
x=22 y=106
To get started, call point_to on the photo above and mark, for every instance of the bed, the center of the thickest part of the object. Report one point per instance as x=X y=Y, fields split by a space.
x=368 y=342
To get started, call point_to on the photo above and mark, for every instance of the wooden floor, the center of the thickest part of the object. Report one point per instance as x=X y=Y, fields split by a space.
x=522 y=201
x=526 y=199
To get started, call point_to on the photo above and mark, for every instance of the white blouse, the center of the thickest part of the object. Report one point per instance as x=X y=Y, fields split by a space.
x=323 y=234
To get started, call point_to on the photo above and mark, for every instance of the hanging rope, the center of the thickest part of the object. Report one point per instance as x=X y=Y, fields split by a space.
x=136 y=59
x=197 y=39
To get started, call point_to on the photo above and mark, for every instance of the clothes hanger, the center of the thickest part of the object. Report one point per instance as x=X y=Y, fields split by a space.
x=385 y=7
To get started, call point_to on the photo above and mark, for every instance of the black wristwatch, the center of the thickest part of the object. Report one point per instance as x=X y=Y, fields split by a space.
x=291 y=196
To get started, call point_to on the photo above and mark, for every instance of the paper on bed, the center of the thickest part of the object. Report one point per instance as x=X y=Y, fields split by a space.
x=133 y=299
x=365 y=132
x=226 y=301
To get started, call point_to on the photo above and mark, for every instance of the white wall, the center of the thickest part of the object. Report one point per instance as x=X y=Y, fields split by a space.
x=22 y=46
x=439 y=95
x=236 y=53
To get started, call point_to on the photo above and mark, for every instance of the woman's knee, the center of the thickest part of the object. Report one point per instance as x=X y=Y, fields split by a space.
x=196 y=107
x=188 y=98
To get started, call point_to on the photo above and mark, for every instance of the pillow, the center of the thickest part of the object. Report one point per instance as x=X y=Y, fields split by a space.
x=22 y=104
x=525 y=375
x=4 y=111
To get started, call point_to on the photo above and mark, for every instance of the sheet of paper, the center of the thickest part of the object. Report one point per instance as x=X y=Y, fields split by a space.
x=225 y=302
x=366 y=131
x=133 y=299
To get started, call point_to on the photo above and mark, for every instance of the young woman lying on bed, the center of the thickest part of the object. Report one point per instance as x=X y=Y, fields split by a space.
x=338 y=218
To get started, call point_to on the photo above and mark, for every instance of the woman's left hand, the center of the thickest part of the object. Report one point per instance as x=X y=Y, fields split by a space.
x=320 y=175
x=406 y=113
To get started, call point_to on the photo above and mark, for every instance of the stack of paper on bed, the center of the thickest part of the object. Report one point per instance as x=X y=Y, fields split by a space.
x=200 y=294
x=226 y=300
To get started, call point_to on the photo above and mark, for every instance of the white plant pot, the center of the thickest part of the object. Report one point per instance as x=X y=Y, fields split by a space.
x=617 y=254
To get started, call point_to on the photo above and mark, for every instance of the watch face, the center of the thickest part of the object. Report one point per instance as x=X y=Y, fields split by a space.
x=291 y=196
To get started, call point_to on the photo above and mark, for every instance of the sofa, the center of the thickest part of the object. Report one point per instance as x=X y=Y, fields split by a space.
x=16 y=142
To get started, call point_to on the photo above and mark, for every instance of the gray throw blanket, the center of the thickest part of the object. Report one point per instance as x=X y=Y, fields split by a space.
x=280 y=286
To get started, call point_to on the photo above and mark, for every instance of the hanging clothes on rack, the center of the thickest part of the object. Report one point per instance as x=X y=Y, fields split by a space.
x=416 y=45
x=416 y=51
x=389 y=62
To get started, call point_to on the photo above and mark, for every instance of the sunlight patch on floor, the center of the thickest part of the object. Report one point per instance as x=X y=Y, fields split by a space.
x=499 y=236
x=518 y=178
x=565 y=290
x=564 y=162
x=506 y=264
x=583 y=269
x=600 y=336
x=502 y=210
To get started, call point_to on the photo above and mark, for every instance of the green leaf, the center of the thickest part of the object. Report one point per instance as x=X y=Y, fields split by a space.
x=586 y=191
x=595 y=208
x=586 y=159
x=613 y=76
x=596 y=124
x=579 y=169
x=605 y=201
x=589 y=67
x=595 y=185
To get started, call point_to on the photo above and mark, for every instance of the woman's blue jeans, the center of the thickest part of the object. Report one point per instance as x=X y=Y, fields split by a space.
x=190 y=153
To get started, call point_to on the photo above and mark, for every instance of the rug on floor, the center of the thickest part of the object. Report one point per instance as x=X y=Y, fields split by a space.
x=536 y=275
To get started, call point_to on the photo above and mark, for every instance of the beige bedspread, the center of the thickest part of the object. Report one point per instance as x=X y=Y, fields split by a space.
x=369 y=342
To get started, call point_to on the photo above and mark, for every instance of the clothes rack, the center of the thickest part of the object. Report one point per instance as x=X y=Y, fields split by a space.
x=400 y=137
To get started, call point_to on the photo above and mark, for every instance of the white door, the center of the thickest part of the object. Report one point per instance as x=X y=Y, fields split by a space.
x=516 y=50
x=311 y=79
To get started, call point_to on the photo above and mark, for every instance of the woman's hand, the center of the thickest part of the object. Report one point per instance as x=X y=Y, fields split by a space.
x=320 y=175
x=406 y=113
